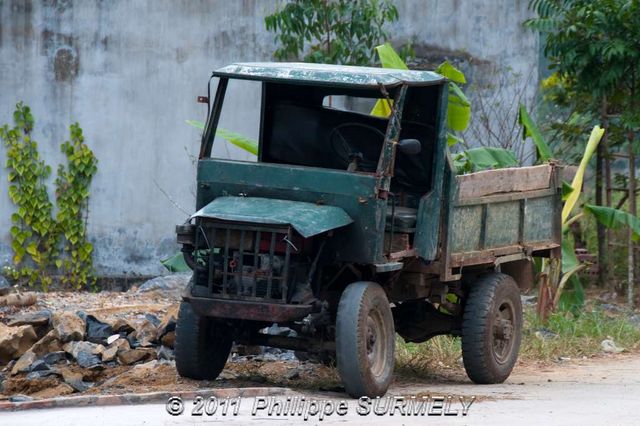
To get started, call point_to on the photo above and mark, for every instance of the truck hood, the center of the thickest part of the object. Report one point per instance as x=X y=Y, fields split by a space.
x=307 y=219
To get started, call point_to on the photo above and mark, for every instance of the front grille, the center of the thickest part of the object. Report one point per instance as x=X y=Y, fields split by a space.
x=247 y=262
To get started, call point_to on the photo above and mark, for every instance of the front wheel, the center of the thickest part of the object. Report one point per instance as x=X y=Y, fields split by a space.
x=202 y=345
x=365 y=340
x=491 y=328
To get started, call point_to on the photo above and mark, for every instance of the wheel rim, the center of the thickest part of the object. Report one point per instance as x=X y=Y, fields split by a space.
x=375 y=338
x=503 y=332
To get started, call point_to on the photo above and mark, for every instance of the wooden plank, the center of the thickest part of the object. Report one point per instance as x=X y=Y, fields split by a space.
x=498 y=181
x=491 y=255
x=507 y=196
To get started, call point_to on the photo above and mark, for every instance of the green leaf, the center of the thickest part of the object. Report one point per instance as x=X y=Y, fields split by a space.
x=531 y=130
x=381 y=108
x=389 y=58
x=567 y=189
x=569 y=259
x=236 y=139
x=614 y=218
x=456 y=93
x=239 y=140
x=195 y=123
x=592 y=144
x=176 y=263
x=572 y=299
x=452 y=139
x=458 y=109
x=32 y=249
x=458 y=114
x=451 y=72
x=490 y=158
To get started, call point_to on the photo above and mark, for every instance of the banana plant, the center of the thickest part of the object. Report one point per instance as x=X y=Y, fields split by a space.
x=476 y=159
x=531 y=130
x=570 y=263
x=458 y=117
x=458 y=107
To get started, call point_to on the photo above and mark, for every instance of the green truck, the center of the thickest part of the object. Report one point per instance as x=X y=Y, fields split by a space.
x=350 y=228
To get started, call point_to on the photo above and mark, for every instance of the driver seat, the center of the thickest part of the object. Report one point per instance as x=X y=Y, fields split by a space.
x=405 y=219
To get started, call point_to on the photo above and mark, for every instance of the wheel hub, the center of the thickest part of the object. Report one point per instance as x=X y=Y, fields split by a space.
x=502 y=335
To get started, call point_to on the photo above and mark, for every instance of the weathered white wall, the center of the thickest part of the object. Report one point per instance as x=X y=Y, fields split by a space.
x=130 y=71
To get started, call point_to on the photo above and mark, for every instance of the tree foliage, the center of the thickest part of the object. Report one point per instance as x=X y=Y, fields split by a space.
x=331 y=31
x=593 y=47
x=593 y=43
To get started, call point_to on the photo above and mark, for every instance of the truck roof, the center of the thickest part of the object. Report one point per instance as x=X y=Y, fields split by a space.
x=329 y=75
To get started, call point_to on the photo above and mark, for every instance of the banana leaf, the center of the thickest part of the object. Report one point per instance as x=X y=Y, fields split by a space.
x=458 y=108
x=451 y=72
x=234 y=138
x=388 y=59
x=490 y=158
x=531 y=130
x=614 y=218
x=594 y=140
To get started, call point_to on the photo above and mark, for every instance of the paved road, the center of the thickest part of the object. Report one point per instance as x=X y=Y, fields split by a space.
x=589 y=392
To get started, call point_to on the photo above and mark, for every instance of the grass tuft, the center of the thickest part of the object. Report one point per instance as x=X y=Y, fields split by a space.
x=564 y=335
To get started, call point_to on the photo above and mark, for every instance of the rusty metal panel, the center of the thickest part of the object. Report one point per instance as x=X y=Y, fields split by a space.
x=258 y=311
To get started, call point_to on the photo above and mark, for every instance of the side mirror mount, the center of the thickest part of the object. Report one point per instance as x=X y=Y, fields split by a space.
x=409 y=146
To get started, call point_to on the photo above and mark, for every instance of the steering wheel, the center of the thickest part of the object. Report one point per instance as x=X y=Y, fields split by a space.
x=357 y=146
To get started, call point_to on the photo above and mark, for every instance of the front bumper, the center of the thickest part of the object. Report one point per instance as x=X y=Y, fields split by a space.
x=248 y=310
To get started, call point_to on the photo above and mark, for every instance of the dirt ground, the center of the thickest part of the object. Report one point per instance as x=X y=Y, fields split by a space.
x=602 y=390
x=264 y=370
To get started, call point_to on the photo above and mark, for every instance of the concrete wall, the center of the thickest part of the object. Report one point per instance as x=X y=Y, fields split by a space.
x=130 y=71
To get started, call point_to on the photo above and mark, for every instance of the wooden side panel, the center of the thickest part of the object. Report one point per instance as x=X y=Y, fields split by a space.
x=500 y=213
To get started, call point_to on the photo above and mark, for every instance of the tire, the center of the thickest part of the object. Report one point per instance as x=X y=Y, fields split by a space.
x=365 y=340
x=202 y=345
x=491 y=328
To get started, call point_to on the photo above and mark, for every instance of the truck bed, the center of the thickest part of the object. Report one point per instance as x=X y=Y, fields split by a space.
x=499 y=215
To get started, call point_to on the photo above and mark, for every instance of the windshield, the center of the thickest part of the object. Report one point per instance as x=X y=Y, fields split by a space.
x=322 y=127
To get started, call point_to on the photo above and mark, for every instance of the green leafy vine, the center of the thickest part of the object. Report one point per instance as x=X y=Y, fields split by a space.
x=44 y=244
x=72 y=196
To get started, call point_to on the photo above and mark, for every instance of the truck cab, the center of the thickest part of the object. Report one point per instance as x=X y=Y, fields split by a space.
x=352 y=226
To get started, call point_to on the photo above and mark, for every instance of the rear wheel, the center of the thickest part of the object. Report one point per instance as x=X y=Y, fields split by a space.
x=491 y=328
x=202 y=344
x=365 y=340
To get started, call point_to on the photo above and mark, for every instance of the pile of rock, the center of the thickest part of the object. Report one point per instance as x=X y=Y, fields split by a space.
x=59 y=346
